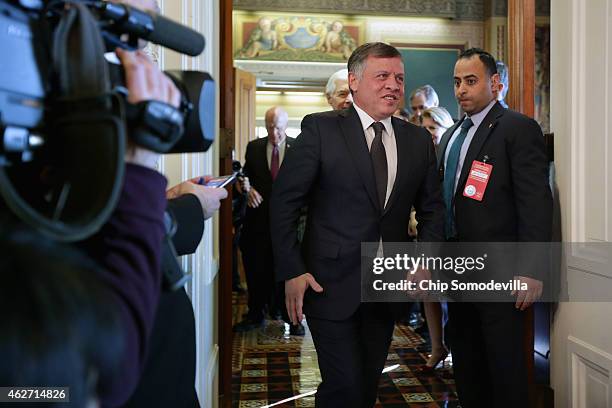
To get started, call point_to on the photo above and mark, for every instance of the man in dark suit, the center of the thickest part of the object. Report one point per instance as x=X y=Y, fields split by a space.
x=262 y=162
x=359 y=171
x=487 y=338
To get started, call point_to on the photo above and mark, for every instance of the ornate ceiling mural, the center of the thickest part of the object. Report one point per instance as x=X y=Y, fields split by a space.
x=312 y=38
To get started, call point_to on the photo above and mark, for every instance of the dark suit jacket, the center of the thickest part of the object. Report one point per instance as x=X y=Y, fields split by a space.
x=329 y=169
x=517 y=204
x=257 y=220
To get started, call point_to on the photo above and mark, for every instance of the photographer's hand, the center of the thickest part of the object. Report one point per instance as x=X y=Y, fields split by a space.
x=145 y=82
x=209 y=197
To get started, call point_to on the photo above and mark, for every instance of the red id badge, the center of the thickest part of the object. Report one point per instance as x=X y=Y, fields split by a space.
x=477 y=181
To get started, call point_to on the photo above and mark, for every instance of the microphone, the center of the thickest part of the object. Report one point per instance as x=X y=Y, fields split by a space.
x=152 y=27
x=176 y=36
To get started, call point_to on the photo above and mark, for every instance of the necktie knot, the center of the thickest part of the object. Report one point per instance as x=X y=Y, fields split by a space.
x=378 y=128
x=467 y=123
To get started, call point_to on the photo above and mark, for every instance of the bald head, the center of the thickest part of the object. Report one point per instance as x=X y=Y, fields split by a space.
x=276 y=124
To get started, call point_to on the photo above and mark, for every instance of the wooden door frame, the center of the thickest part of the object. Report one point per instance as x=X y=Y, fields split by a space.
x=521 y=97
x=521 y=56
x=226 y=124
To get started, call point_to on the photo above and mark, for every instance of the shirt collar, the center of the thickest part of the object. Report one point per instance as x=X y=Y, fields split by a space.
x=477 y=118
x=280 y=145
x=367 y=120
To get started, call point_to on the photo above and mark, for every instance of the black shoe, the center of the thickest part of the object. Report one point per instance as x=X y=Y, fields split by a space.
x=297 y=329
x=247 y=324
x=415 y=320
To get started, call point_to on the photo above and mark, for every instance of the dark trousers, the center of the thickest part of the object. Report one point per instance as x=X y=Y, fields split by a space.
x=262 y=288
x=352 y=355
x=488 y=354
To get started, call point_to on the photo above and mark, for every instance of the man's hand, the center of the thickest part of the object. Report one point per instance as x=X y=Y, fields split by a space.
x=412 y=224
x=294 y=295
x=209 y=197
x=416 y=278
x=254 y=199
x=145 y=81
x=525 y=298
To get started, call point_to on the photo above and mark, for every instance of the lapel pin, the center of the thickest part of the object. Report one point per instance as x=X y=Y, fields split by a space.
x=490 y=125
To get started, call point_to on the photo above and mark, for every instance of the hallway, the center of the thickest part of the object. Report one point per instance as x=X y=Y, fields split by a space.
x=269 y=366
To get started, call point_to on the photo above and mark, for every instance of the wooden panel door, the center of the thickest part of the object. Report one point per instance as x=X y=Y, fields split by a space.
x=245 y=85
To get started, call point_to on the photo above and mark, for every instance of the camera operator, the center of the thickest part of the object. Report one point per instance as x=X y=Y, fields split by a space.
x=64 y=333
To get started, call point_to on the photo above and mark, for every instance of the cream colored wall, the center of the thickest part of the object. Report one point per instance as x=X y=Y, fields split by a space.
x=496 y=33
x=202 y=16
x=581 y=91
x=297 y=105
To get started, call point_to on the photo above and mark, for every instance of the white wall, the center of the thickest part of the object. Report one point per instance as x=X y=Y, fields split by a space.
x=581 y=91
x=203 y=16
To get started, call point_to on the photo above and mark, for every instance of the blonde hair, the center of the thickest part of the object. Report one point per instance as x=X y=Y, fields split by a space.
x=439 y=115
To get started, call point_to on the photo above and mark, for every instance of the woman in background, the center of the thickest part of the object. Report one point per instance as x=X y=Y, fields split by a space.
x=436 y=120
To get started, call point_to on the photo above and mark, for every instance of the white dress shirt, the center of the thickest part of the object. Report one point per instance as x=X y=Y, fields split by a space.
x=388 y=139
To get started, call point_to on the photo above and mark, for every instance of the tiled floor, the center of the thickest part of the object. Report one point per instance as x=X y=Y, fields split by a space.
x=269 y=366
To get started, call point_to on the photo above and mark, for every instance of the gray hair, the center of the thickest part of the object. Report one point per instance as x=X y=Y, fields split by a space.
x=431 y=97
x=357 y=60
x=341 y=75
x=439 y=115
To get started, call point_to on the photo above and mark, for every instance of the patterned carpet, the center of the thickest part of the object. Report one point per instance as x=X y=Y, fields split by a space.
x=269 y=365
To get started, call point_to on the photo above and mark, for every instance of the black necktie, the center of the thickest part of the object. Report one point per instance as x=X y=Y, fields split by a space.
x=379 y=163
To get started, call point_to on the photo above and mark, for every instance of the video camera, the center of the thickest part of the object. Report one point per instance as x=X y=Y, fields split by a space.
x=64 y=114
